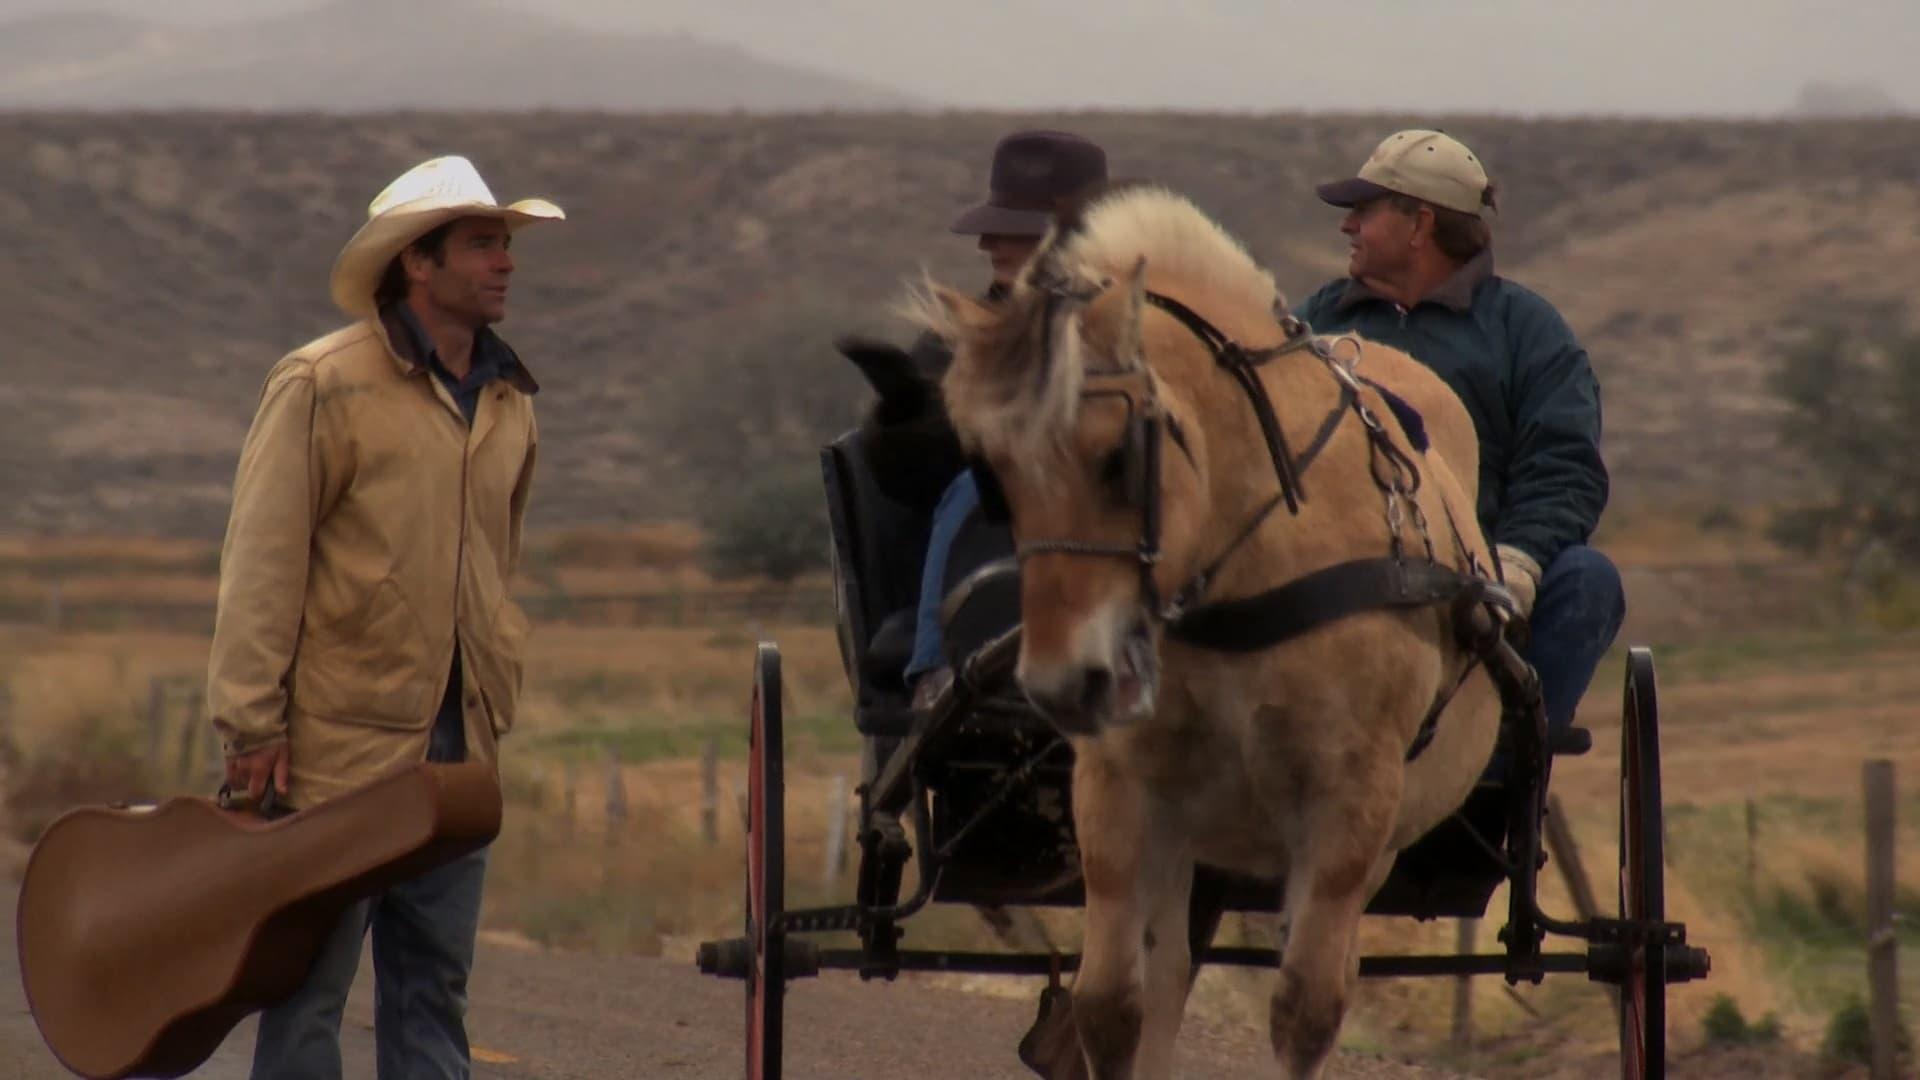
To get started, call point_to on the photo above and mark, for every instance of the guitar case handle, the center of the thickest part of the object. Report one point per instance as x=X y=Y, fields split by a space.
x=269 y=806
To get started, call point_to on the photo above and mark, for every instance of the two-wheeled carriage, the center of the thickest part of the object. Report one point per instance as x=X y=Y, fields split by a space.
x=973 y=791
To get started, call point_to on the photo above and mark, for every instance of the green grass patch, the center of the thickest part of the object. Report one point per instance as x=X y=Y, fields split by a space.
x=640 y=740
x=1801 y=901
x=1727 y=657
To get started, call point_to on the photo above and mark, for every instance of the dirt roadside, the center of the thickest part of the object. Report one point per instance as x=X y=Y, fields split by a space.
x=538 y=1013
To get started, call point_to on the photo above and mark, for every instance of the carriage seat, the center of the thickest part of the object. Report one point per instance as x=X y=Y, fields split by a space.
x=878 y=546
x=890 y=649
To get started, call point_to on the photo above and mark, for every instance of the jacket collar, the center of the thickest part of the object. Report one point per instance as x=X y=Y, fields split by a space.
x=406 y=342
x=1455 y=293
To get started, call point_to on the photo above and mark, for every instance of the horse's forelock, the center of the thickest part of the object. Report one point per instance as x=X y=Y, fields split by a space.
x=1014 y=387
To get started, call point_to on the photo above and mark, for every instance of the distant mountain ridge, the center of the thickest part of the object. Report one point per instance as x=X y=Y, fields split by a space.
x=370 y=55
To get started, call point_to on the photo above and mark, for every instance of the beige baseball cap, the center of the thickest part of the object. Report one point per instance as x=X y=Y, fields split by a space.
x=1428 y=165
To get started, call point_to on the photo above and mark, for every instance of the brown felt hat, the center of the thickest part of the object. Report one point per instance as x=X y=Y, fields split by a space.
x=1034 y=174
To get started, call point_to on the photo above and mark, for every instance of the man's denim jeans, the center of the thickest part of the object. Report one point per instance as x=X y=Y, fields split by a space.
x=1576 y=614
x=423 y=940
x=960 y=499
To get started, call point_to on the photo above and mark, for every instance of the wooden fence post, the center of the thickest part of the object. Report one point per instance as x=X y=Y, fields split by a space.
x=1753 y=843
x=189 y=741
x=1463 y=989
x=216 y=754
x=1882 y=969
x=568 y=775
x=835 y=856
x=156 y=723
x=710 y=791
x=616 y=796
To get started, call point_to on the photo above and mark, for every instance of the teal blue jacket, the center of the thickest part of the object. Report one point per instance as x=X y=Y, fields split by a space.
x=1525 y=381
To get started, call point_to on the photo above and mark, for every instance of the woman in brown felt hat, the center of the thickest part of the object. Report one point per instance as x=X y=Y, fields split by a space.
x=917 y=459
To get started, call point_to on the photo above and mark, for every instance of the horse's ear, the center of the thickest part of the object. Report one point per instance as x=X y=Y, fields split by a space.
x=1129 y=351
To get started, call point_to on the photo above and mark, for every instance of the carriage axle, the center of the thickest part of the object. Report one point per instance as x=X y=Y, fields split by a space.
x=1604 y=961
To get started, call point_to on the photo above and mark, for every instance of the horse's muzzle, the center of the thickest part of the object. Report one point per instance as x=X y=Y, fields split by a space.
x=1086 y=699
x=1079 y=702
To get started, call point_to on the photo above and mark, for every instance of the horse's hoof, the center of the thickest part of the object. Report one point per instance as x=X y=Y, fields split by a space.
x=1051 y=1047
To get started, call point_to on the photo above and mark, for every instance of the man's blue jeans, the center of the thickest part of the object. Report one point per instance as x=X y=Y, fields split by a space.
x=423 y=940
x=1576 y=614
x=961 y=498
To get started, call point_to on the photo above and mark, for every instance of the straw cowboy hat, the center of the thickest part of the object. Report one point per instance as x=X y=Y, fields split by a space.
x=424 y=198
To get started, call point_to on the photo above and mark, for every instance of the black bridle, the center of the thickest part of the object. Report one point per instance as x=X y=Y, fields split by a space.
x=1139 y=482
x=1140 y=451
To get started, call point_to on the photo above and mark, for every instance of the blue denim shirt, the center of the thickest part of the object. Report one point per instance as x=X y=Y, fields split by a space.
x=492 y=359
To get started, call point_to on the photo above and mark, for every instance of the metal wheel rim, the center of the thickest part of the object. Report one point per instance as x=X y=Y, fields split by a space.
x=1642 y=873
x=765 y=870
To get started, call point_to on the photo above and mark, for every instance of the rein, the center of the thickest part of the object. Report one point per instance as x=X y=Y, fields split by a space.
x=1268 y=618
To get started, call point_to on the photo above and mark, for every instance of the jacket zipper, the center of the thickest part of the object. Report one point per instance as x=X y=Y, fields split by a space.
x=459 y=560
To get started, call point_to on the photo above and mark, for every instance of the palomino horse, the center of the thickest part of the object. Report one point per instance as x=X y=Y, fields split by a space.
x=1148 y=413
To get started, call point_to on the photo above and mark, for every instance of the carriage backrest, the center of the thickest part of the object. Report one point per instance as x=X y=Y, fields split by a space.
x=877 y=550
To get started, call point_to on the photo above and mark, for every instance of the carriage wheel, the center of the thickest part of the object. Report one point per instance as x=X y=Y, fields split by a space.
x=1643 y=990
x=766 y=869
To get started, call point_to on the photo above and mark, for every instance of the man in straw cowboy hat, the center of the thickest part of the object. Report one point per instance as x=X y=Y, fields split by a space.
x=363 y=620
x=1421 y=279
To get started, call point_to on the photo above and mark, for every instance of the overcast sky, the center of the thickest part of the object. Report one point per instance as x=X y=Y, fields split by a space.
x=1666 y=57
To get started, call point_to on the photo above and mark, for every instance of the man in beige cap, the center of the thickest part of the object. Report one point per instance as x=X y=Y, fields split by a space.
x=363 y=620
x=1421 y=279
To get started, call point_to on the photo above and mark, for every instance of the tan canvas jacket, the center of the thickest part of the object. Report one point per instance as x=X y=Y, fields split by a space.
x=370 y=529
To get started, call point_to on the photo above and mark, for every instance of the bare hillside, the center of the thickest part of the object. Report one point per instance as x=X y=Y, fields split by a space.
x=679 y=321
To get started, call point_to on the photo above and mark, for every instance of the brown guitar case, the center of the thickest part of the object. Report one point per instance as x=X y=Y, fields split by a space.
x=147 y=933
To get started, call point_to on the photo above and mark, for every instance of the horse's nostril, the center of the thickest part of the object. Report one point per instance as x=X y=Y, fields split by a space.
x=1096 y=687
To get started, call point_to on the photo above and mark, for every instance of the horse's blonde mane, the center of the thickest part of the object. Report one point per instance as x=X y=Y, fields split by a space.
x=1184 y=249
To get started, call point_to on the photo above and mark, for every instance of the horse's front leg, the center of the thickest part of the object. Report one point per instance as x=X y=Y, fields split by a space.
x=1110 y=815
x=1326 y=892
x=1169 y=960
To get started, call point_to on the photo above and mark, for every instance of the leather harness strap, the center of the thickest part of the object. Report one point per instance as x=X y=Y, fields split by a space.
x=1268 y=618
x=1279 y=614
